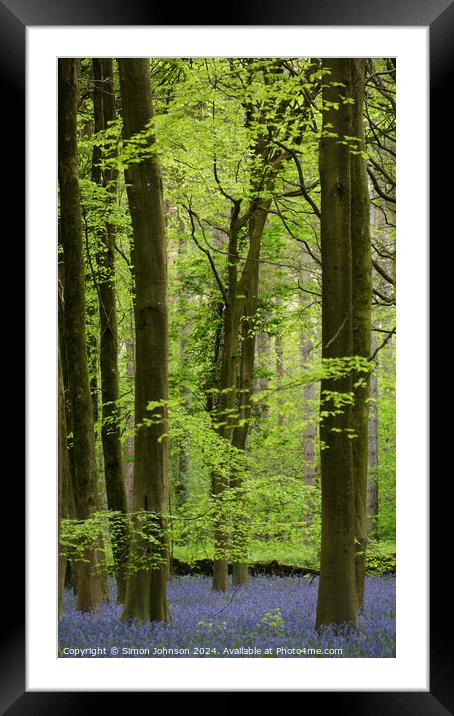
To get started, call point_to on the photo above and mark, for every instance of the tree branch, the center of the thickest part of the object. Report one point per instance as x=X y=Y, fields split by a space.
x=304 y=191
x=379 y=190
x=383 y=273
x=221 y=189
x=207 y=254
x=383 y=344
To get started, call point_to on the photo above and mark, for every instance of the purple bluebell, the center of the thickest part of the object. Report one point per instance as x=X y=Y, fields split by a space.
x=270 y=613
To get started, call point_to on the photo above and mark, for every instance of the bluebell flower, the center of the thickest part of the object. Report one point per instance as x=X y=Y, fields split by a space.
x=269 y=617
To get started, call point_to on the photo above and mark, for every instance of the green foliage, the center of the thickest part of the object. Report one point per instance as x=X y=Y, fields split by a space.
x=272 y=622
x=381 y=558
x=218 y=110
x=104 y=530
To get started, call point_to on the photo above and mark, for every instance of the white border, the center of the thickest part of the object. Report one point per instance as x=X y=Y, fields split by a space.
x=409 y=671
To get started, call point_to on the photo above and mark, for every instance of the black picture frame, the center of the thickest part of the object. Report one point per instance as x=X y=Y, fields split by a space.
x=438 y=15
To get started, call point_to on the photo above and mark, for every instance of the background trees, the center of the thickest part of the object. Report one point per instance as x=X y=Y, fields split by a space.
x=229 y=281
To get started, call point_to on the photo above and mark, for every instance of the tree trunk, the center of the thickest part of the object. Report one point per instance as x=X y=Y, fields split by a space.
x=310 y=431
x=183 y=459
x=240 y=570
x=372 y=483
x=71 y=512
x=63 y=480
x=262 y=344
x=90 y=285
x=248 y=287
x=279 y=368
x=104 y=112
x=225 y=415
x=90 y=589
x=146 y=589
x=128 y=454
x=337 y=593
x=361 y=320
x=309 y=435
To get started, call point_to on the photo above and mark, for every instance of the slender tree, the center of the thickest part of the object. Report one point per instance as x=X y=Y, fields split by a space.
x=249 y=287
x=105 y=112
x=68 y=506
x=337 y=601
x=262 y=341
x=225 y=415
x=63 y=481
x=361 y=319
x=146 y=589
x=183 y=457
x=309 y=433
x=372 y=482
x=90 y=587
x=128 y=451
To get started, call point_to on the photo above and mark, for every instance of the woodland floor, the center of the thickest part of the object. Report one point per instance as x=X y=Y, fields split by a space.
x=270 y=613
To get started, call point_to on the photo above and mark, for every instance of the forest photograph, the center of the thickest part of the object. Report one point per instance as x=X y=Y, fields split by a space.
x=226 y=357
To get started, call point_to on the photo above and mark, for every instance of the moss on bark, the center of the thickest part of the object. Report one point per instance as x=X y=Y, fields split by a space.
x=146 y=590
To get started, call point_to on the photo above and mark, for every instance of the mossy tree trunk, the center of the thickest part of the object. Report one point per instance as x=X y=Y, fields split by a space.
x=372 y=480
x=225 y=414
x=105 y=112
x=361 y=320
x=309 y=433
x=90 y=587
x=146 y=589
x=337 y=603
x=262 y=347
x=248 y=288
x=63 y=481
x=69 y=507
x=128 y=451
x=183 y=455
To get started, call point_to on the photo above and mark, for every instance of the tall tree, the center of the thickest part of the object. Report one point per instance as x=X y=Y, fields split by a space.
x=183 y=457
x=68 y=505
x=90 y=587
x=372 y=482
x=63 y=481
x=105 y=112
x=309 y=435
x=146 y=589
x=225 y=415
x=128 y=451
x=249 y=287
x=361 y=318
x=337 y=601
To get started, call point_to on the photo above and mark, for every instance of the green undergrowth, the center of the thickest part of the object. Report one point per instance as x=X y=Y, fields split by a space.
x=380 y=559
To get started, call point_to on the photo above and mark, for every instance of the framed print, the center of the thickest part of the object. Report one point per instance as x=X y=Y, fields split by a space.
x=413 y=678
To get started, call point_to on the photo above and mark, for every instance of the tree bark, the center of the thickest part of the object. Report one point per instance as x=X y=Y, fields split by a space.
x=372 y=483
x=361 y=320
x=309 y=435
x=279 y=368
x=249 y=286
x=104 y=112
x=225 y=414
x=262 y=349
x=337 y=593
x=128 y=453
x=63 y=481
x=146 y=590
x=90 y=589
x=183 y=457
